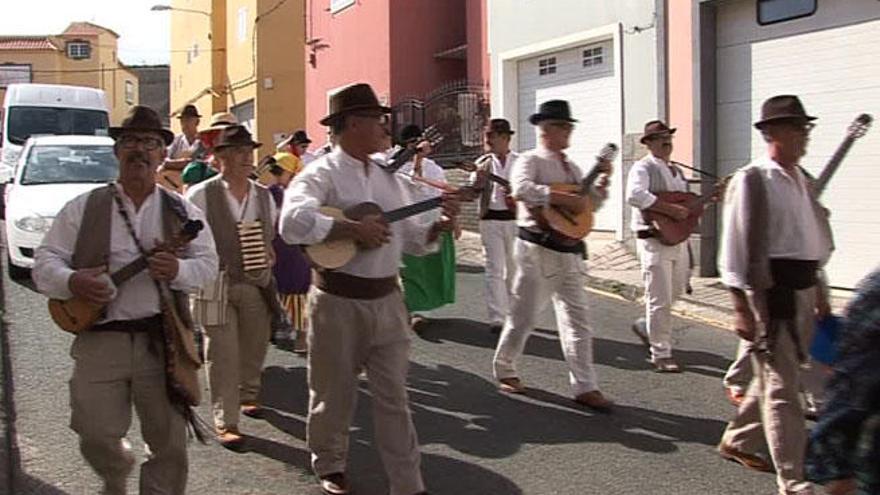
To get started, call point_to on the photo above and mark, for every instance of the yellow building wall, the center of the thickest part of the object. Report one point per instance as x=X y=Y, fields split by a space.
x=280 y=72
x=240 y=53
x=44 y=65
x=192 y=54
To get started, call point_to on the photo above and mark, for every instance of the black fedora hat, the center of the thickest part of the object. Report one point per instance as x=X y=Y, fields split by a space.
x=410 y=133
x=297 y=137
x=656 y=128
x=500 y=126
x=142 y=119
x=189 y=111
x=552 y=110
x=783 y=107
x=235 y=135
x=357 y=97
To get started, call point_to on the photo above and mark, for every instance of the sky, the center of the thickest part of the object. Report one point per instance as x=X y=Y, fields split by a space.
x=144 y=36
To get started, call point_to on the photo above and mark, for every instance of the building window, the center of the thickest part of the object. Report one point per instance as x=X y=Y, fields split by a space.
x=79 y=50
x=547 y=66
x=242 y=24
x=14 y=73
x=337 y=5
x=593 y=57
x=195 y=50
x=773 y=11
x=129 y=92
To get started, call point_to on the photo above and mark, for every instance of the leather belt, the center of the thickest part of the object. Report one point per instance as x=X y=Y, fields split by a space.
x=646 y=234
x=499 y=215
x=353 y=287
x=148 y=324
x=549 y=241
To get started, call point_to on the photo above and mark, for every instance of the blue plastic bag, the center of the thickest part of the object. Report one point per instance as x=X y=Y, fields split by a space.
x=824 y=346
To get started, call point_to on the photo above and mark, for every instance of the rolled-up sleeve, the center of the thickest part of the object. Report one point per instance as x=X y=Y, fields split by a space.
x=301 y=221
x=733 y=256
x=200 y=263
x=52 y=258
x=638 y=182
x=523 y=185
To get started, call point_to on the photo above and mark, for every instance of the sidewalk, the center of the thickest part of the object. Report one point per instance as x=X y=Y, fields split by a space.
x=614 y=270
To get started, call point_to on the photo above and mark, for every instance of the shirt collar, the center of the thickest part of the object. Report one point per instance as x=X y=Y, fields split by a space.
x=543 y=152
x=127 y=200
x=775 y=168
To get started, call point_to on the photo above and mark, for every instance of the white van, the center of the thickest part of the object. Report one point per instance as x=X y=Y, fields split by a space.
x=47 y=109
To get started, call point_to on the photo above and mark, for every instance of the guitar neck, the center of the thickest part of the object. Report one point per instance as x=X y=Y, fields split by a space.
x=413 y=209
x=130 y=270
x=499 y=180
x=831 y=167
x=591 y=177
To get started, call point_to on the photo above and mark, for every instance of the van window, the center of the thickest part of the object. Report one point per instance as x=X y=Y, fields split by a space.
x=53 y=164
x=24 y=122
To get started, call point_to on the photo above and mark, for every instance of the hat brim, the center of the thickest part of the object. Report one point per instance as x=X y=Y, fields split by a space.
x=253 y=144
x=167 y=136
x=761 y=123
x=537 y=118
x=183 y=116
x=326 y=121
x=652 y=135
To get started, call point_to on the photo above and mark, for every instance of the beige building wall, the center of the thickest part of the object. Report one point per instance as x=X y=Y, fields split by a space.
x=192 y=56
x=241 y=54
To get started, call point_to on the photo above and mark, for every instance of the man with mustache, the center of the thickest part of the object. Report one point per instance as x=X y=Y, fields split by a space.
x=665 y=269
x=234 y=204
x=118 y=361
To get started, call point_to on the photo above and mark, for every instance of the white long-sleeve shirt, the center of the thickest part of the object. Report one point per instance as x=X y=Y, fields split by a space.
x=247 y=210
x=793 y=230
x=497 y=193
x=340 y=180
x=638 y=184
x=530 y=179
x=137 y=298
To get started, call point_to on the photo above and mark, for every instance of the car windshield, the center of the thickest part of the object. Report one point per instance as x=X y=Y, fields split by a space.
x=65 y=163
x=25 y=122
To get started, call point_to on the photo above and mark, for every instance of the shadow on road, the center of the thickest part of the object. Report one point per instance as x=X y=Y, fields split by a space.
x=545 y=344
x=33 y=486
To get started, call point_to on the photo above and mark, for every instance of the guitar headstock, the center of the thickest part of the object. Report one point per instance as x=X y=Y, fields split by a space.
x=860 y=126
x=608 y=152
x=432 y=136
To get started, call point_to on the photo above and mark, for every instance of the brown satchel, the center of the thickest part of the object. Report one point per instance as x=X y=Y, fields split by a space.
x=182 y=361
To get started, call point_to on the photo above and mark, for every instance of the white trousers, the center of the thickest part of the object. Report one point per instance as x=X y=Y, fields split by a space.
x=543 y=275
x=498 y=237
x=665 y=270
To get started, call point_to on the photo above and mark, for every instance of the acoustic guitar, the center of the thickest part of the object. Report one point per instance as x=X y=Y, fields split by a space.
x=75 y=315
x=472 y=166
x=857 y=129
x=336 y=253
x=575 y=225
x=669 y=231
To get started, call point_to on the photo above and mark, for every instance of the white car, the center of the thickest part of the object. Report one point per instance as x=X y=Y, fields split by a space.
x=51 y=171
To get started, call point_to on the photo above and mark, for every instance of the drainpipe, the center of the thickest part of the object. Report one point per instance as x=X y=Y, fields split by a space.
x=662 y=50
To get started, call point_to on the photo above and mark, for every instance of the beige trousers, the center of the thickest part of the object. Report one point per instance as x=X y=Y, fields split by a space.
x=771 y=417
x=236 y=352
x=112 y=371
x=665 y=270
x=345 y=337
x=498 y=237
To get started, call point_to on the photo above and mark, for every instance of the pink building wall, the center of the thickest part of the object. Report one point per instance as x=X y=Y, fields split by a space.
x=358 y=51
x=419 y=30
x=478 y=65
x=681 y=87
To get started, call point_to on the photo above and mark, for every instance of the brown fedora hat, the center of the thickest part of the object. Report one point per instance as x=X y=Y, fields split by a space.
x=142 y=119
x=352 y=99
x=189 y=111
x=656 y=128
x=500 y=126
x=235 y=135
x=783 y=107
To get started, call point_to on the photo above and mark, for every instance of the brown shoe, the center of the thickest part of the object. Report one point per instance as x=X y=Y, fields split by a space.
x=666 y=365
x=750 y=461
x=511 y=385
x=595 y=400
x=252 y=410
x=335 y=484
x=230 y=437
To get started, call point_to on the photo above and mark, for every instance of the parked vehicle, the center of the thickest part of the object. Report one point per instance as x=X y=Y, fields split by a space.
x=47 y=109
x=51 y=171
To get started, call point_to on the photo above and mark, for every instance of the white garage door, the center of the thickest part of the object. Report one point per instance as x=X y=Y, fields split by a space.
x=585 y=77
x=836 y=72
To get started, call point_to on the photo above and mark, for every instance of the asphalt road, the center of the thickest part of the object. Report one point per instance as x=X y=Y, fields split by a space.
x=660 y=439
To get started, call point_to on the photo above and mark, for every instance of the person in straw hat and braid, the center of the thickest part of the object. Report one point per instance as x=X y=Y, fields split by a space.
x=242 y=216
x=357 y=317
x=120 y=362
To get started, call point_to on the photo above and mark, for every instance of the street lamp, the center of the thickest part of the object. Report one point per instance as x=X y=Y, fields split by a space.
x=161 y=8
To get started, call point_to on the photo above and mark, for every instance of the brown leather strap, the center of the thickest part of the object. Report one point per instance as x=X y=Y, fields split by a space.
x=345 y=285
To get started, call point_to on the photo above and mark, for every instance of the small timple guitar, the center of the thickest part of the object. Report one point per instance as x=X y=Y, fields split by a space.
x=570 y=224
x=334 y=254
x=75 y=315
x=469 y=166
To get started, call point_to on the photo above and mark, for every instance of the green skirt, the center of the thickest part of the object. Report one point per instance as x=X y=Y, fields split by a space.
x=429 y=281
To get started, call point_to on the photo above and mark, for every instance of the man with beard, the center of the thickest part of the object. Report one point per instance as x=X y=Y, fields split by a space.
x=774 y=239
x=665 y=269
x=118 y=361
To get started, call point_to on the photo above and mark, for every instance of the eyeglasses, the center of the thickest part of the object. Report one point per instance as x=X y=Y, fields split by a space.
x=382 y=118
x=130 y=142
x=562 y=125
